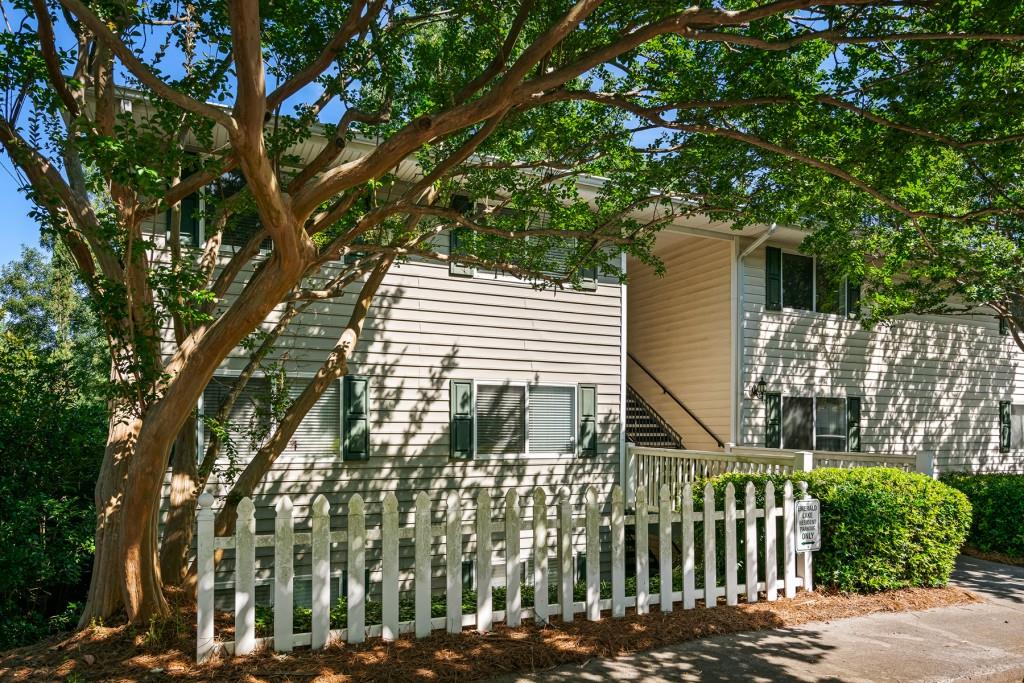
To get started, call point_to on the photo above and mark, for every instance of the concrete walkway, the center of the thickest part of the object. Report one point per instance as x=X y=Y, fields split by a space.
x=981 y=642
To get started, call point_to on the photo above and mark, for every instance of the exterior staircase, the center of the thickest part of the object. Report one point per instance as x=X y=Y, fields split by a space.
x=645 y=427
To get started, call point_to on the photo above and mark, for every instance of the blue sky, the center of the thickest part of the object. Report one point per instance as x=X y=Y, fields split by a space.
x=18 y=229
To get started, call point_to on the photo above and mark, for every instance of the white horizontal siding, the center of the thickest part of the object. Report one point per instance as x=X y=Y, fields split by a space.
x=927 y=383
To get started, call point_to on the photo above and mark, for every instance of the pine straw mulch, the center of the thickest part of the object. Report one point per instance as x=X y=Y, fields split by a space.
x=992 y=556
x=119 y=654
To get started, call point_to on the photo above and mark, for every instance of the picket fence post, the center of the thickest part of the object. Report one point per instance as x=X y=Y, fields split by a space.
x=804 y=565
x=730 y=545
x=513 y=561
x=665 y=546
x=321 y=557
x=710 y=573
x=771 y=561
x=540 y=557
x=618 y=552
x=389 y=574
x=205 y=573
x=421 y=580
x=689 y=561
x=356 y=568
x=284 y=575
x=789 y=539
x=593 y=521
x=643 y=569
x=453 y=562
x=750 y=540
x=484 y=564
x=245 y=577
x=565 y=578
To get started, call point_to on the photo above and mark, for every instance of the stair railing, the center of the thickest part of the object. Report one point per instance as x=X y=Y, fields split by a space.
x=679 y=402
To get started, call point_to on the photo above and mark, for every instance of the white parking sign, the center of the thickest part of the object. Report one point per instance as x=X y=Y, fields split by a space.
x=808 y=525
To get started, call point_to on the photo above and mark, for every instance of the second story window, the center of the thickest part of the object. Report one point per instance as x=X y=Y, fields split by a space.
x=797 y=282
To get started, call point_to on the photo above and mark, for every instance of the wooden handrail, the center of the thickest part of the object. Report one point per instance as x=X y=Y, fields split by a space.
x=679 y=402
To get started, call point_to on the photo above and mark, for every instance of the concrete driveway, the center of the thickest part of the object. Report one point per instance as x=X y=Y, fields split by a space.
x=978 y=642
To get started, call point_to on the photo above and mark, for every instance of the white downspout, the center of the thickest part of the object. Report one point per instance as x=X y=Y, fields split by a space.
x=737 y=325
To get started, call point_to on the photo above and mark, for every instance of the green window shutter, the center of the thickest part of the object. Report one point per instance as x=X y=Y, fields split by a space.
x=461 y=418
x=1005 y=430
x=853 y=424
x=356 y=419
x=773 y=420
x=455 y=236
x=852 y=300
x=773 y=279
x=1004 y=326
x=189 y=220
x=588 y=420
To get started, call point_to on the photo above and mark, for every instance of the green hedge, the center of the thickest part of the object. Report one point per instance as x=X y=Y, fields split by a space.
x=881 y=528
x=998 y=501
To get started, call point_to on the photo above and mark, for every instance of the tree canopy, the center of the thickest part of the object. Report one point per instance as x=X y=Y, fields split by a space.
x=890 y=129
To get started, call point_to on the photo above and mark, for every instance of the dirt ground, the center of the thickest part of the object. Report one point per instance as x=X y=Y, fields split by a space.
x=165 y=651
x=992 y=556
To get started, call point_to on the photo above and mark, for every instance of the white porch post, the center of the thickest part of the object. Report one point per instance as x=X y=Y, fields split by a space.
x=925 y=464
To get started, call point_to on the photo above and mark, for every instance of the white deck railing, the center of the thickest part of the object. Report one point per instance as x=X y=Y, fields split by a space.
x=549 y=521
x=654 y=467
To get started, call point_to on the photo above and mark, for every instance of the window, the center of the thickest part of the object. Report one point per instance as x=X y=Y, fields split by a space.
x=803 y=423
x=500 y=419
x=256 y=411
x=797 y=282
x=803 y=283
x=509 y=419
x=1011 y=426
x=551 y=424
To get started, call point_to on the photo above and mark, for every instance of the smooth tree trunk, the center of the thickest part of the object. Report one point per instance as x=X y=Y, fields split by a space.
x=106 y=585
x=191 y=368
x=189 y=478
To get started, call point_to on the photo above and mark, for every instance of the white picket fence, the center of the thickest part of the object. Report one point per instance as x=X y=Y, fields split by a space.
x=422 y=533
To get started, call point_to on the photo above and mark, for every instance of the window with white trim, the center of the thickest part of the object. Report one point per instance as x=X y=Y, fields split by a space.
x=798 y=282
x=518 y=419
x=816 y=423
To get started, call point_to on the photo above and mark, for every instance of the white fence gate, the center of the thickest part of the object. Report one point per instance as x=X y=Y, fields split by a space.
x=736 y=520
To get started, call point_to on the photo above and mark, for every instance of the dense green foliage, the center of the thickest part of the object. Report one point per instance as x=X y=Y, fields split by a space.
x=998 y=502
x=881 y=528
x=52 y=432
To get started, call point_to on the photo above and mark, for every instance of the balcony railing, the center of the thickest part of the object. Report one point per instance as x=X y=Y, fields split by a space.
x=652 y=467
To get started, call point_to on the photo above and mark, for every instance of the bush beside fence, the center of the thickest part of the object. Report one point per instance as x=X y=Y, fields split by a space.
x=881 y=528
x=998 y=502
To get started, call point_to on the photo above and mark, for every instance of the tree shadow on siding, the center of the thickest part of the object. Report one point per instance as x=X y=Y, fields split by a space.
x=926 y=384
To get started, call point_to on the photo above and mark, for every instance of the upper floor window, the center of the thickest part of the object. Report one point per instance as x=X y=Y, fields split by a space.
x=799 y=282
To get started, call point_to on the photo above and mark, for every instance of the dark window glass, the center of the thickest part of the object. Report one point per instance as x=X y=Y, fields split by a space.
x=831 y=292
x=798 y=423
x=797 y=281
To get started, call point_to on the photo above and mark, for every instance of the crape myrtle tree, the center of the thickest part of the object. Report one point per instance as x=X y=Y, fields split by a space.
x=743 y=111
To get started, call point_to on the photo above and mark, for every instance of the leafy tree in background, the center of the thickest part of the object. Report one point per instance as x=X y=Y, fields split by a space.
x=52 y=429
x=819 y=113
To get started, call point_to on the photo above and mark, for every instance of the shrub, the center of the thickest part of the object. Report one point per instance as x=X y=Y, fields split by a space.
x=998 y=502
x=881 y=528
